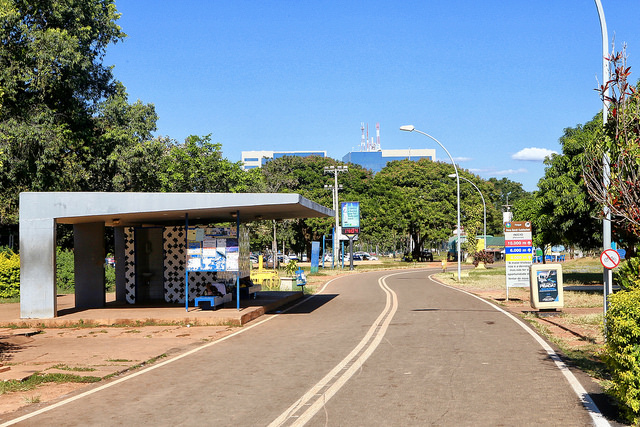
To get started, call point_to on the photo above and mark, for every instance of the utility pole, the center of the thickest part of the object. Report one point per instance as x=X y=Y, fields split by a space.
x=335 y=170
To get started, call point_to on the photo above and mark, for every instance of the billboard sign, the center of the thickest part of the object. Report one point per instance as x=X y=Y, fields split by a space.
x=518 y=252
x=350 y=217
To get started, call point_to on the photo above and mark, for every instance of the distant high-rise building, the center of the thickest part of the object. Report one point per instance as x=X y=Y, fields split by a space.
x=376 y=160
x=256 y=159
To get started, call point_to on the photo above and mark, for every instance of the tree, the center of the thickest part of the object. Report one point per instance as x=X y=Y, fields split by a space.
x=620 y=142
x=505 y=192
x=197 y=165
x=51 y=82
x=566 y=213
x=305 y=175
x=416 y=199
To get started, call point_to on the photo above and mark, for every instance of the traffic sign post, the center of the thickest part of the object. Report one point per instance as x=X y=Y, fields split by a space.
x=610 y=258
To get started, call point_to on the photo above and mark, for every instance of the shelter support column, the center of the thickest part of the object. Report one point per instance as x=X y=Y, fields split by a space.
x=121 y=281
x=88 y=242
x=38 y=268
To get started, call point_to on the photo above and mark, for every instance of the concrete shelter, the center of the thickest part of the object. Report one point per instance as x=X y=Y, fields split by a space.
x=91 y=212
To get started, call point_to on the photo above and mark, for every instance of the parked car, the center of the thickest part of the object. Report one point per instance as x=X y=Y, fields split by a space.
x=282 y=260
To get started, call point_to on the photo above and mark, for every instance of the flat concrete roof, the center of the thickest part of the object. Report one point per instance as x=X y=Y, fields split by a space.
x=131 y=209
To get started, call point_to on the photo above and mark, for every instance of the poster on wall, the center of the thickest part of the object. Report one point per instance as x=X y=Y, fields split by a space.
x=212 y=249
x=547 y=284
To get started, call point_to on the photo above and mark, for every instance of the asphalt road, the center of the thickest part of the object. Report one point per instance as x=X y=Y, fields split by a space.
x=380 y=348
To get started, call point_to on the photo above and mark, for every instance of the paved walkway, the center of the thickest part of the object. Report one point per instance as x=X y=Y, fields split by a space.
x=116 y=313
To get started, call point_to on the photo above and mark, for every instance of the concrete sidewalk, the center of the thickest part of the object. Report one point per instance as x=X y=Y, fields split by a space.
x=117 y=313
x=86 y=343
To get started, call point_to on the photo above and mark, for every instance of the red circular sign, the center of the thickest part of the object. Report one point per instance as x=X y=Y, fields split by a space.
x=610 y=258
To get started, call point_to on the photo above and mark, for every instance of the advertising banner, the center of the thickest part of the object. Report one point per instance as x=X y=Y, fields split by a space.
x=351 y=217
x=546 y=286
x=518 y=252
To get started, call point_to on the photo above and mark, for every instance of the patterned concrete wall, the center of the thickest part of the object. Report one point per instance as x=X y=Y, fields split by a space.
x=174 y=246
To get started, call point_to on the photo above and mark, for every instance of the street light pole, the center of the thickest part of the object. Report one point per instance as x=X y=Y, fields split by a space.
x=484 y=207
x=335 y=170
x=411 y=128
x=606 y=223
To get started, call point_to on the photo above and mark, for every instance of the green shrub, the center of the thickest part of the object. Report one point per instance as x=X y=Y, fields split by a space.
x=9 y=274
x=628 y=274
x=623 y=350
x=110 y=278
x=64 y=271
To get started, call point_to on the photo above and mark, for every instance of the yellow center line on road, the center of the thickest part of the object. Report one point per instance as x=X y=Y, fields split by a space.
x=328 y=386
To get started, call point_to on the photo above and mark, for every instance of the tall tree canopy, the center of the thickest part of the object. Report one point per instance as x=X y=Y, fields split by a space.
x=52 y=86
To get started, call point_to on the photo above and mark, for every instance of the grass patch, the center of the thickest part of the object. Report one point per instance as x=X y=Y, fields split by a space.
x=64 y=367
x=9 y=300
x=32 y=399
x=583 y=299
x=35 y=380
x=582 y=278
x=119 y=360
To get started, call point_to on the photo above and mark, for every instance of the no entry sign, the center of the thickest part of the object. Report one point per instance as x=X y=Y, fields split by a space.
x=610 y=258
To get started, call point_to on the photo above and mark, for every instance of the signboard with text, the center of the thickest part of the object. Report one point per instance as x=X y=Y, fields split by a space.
x=350 y=218
x=518 y=252
x=212 y=249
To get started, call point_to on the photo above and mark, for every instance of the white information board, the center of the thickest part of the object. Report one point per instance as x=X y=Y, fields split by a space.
x=518 y=252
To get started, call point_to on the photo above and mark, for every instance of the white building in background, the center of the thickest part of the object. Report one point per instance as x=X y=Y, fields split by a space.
x=256 y=159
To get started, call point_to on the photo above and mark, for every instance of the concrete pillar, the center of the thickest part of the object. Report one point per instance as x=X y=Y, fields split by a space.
x=121 y=282
x=88 y=243
x=38 y=268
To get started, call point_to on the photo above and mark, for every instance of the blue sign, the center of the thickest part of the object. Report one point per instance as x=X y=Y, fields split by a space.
x=315 y=255
x=518 y=250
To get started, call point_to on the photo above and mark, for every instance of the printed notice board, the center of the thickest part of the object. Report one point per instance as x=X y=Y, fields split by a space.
x=212 y=249
x=546 y=286
x=518 y=252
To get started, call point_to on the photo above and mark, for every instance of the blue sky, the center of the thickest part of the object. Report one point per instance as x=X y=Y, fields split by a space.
x=495 y=81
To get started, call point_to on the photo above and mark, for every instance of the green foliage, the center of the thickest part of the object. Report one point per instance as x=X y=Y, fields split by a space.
x=62 y=114
x=627 y=275
x=566 y=214
x=110 y=278
x=65 y=271
x=504 y=191
x=623 y=350
x=9 y=274
x=291 y=267
x=197 y=165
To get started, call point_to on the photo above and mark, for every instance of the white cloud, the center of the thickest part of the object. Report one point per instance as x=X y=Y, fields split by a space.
x=510 y=171
x=498 y=173
x=533 y=154
x=462 y=159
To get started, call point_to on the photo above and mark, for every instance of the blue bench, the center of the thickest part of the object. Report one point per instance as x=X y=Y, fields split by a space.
x=213 y=300
x=301 y=279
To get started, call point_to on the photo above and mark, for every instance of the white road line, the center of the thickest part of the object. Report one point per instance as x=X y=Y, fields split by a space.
x=378 y=328
x=156 y=366
x=596 y=416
